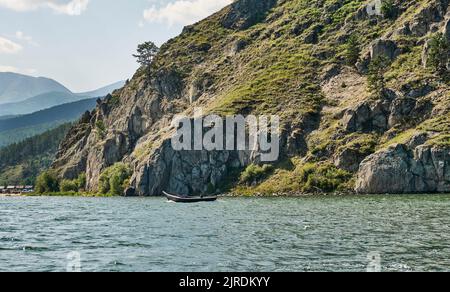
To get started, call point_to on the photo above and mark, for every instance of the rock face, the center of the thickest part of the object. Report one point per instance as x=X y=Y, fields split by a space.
x=384 y=48
x=184 y=172
x=382 y=115
x=399 y=170
x=379 y=48
x=245 y=13
x=268 y=57
x=349 y=160
x=427 y=16
x=447 y=30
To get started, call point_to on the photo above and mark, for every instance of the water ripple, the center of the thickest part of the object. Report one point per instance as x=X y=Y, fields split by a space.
x=410 y=233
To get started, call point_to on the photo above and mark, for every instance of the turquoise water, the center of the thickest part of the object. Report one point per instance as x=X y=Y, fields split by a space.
x=407 y=233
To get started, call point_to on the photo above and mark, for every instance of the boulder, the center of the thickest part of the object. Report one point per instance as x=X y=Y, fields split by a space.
x=400 y=170
x=425 y=53
x=239 y=46
x=385 y=172
x=404 y=30
x=349 y=159
x=367 y=117
x=199 y=86
x=384 y=48
x=357 y=119
x=379 y=115
x=400 y=110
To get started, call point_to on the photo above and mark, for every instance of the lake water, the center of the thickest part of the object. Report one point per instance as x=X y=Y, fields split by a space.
x=402 y=233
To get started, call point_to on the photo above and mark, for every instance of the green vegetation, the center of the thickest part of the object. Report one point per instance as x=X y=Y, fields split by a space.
x=408 y=68
x=377 y=82
x=113 y=100
x=68 y=186
x=146 y=52
x=77 y=185
x=20 y=163
x=352 y=50
x=16 y=136
x=101 y=129
x=255 y=173
x=439 y=55
x=295 y=177
x=47 y=182
x=389 y=9
x=348 y=8
x=439 y=126
x=323 y=178
x=18 y=128
x=115 y=179
x=365 y=144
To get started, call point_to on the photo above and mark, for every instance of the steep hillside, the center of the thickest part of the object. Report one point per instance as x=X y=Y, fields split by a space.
x=363 y=102
x=16 y=87
x=18 y=128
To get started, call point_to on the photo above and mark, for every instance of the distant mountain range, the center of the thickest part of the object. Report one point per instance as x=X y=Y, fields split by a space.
x=16 y=87
x=16 y=129
x=20 y=94
x=104 y=90
x=30 y=106
x=39 y=102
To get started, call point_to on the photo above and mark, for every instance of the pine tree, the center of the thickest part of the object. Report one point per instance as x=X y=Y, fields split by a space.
x=146 y=52
x=352 y=50
x=439 y=56
x=377 y=82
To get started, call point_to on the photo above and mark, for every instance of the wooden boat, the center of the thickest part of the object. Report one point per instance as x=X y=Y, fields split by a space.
x=188 y=199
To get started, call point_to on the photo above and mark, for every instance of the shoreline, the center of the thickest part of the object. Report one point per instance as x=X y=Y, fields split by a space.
x=228 y=195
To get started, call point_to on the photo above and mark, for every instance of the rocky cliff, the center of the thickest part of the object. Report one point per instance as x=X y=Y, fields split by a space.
x=311 y=63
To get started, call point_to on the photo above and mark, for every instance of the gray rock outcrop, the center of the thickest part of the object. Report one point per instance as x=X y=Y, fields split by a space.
x=184 y=172
x=400 y=170
x=394 y=109
x=429 y=15
x=245 y=13
x=384 y=48
x=447 y=30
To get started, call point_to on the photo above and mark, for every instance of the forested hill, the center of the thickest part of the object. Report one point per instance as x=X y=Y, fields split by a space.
x=18 y=128
x=21 y=162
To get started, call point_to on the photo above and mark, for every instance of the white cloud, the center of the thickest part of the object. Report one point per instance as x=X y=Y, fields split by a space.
x=184 y=12
x=21 y=36
x=9 y=47
x=69 y=7
x=17 y=70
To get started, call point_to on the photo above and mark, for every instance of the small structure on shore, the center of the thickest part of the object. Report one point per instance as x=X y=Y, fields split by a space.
x=12 y=190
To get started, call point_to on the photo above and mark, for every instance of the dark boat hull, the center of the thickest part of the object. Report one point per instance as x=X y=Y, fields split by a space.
x=181 y=199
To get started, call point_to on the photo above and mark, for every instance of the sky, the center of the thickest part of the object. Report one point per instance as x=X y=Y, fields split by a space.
x=87 y=44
